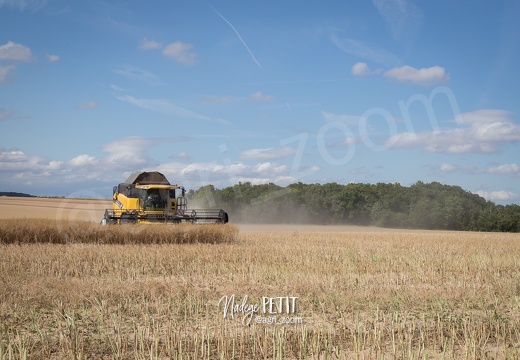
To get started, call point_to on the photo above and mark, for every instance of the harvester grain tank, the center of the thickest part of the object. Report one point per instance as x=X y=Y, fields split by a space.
x=148 y=197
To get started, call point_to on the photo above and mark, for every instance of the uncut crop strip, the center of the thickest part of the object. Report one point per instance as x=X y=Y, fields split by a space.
x=42 y=231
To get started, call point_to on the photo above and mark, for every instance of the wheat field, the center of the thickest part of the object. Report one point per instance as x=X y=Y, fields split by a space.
x=359 y=293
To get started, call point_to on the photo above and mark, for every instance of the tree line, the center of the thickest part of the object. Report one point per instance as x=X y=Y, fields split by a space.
x=15 y=194
x=420 y=206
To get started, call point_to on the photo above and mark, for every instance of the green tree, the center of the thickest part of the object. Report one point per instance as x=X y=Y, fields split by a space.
x=422 y=205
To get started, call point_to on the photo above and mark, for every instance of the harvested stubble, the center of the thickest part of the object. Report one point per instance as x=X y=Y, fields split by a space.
x=364 y=295
x=44 y=231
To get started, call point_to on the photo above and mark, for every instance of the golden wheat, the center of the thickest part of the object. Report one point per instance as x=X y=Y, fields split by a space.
x=29 y=231
x=363 y=294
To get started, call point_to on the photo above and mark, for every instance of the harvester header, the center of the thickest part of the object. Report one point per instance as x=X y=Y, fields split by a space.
x=148 y=197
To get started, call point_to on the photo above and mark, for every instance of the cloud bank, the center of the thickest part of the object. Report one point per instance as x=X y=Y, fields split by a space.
x=423 y=76
x=130 y=154
x=481 y=131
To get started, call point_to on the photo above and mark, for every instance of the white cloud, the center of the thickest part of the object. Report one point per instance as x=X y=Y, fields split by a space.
x=183 y=155
x=482 y=116
x=504 y=169
x=163 y=106
x=259 y=97
x=371 y=52
x=131 y=151
x=267 y=154
x=181 y=52
x=123 y=155
x=87 y=105
x=194 y=175
x=146 y=44
x=83 y=160
x=11 y=156
x=17 y=160
x=497 y=195
x=53 y=58
x=131 y=154
x=482 y=131
x=134 y=73
x=490 y=125
x=15 y=52
x=445 y=167
x=55 y=164
x=5 y=72
x=424 y=76
x=360 y=69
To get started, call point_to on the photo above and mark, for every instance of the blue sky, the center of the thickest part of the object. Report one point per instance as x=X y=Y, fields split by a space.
x=259 y=91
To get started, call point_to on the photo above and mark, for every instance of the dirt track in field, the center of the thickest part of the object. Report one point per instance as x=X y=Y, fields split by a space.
x=72 y=209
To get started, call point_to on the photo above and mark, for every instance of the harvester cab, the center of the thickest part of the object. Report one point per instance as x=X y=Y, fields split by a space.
x=148 y=197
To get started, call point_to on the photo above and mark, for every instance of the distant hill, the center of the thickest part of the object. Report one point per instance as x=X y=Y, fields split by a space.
x=15 y=194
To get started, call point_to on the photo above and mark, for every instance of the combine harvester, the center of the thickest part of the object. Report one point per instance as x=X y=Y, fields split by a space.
x=148 y=197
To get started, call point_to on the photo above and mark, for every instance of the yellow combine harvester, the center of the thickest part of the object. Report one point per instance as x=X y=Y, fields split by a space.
x=148 y=197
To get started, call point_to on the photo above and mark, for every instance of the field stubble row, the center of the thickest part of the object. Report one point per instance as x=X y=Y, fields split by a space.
x=367 y=294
